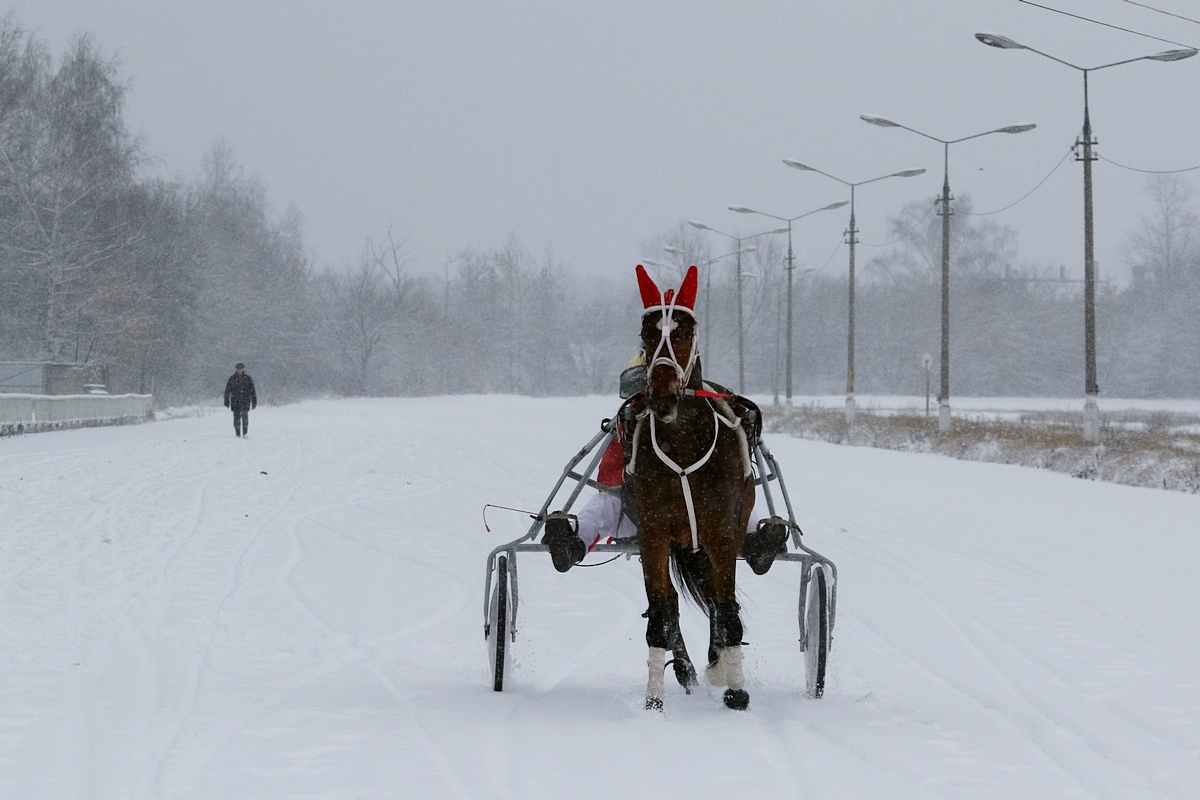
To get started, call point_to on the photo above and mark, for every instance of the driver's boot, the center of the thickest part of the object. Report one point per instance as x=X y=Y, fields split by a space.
x=566 y=548
x=764 y=543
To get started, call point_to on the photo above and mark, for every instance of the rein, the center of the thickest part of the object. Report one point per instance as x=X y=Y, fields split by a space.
x=706 y=394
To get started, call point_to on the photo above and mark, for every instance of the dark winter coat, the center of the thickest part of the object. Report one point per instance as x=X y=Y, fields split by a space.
x=239 y=392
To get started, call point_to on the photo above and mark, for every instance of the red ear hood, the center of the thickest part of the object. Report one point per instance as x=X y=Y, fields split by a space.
x=654 y=300
x=650 y=294
x=687 y=292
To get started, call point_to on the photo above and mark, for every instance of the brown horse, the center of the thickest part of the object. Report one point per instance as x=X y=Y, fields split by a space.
x=691 y=487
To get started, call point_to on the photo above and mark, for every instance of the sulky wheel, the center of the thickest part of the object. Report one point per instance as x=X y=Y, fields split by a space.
x=498 y=622
x=816 y=632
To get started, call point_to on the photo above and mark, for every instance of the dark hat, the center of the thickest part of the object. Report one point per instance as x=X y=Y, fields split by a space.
x=239 y=365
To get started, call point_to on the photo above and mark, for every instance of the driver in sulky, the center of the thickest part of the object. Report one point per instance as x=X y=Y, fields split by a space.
x=570 y=537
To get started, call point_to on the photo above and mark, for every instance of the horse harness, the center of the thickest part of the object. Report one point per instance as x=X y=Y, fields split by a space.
x=747 y=425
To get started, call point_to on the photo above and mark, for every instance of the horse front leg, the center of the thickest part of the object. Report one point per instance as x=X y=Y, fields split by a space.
x=726 y=637
x=662 y=618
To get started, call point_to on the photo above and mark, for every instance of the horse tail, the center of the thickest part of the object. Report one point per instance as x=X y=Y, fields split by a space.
x=693 y=571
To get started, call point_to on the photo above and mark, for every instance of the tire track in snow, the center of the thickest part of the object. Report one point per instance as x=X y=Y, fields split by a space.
x=351 y=652
x=1066 y=708
x=970 y=631
x=153 y=778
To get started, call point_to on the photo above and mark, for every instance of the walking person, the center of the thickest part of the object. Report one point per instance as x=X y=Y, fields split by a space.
x=240 y=398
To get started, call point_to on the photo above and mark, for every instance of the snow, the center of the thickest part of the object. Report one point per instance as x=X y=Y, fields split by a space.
x=191 y=615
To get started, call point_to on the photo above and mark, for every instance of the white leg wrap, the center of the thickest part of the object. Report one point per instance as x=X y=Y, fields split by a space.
x=656 y=663
x=716 y=673
x=731 y=657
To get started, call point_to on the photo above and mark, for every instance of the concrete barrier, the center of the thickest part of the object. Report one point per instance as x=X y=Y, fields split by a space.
x=30 y=413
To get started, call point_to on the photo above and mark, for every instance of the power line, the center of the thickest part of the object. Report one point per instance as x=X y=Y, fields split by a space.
x=831 y=255
x=1148 y=171
x=1031 y=191
x=1160 y=11
x=1105 y=24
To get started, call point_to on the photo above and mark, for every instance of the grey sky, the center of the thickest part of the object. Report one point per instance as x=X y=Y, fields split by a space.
x=591 y=127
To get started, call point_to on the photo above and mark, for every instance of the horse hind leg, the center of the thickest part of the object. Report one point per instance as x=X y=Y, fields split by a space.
x=715 y=672
x=694 y=573
x=685 y=671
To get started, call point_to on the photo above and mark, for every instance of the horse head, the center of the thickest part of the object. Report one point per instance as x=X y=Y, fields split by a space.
x=669 y=342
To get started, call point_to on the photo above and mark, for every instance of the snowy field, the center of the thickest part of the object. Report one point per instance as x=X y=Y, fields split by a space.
x=299 y=615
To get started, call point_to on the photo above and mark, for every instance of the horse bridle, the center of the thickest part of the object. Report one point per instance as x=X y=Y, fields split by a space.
x=729 y=419
x=666 y=324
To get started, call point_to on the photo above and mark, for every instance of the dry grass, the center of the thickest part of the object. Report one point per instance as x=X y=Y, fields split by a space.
x=1150 y=449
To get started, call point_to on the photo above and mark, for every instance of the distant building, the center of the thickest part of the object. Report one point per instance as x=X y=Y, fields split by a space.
x=35 y=377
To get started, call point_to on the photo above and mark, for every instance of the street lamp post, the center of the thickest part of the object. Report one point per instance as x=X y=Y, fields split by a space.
x=1091 y=413
x=790 y=267
x=927 y=362
x=852 y=240
x=741 y=342
x=944 y=392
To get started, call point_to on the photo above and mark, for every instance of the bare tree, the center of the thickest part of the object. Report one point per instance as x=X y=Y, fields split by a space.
x=68 y=181
x=1165 y=247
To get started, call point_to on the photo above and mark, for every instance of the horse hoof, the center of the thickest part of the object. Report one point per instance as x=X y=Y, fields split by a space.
x=685 y=673
x=656 y=704
x=737 y=699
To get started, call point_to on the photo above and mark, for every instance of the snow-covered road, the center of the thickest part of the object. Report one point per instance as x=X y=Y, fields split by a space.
x=189 y=615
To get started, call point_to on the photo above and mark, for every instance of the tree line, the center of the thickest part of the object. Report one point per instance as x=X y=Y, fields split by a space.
x=168 y=282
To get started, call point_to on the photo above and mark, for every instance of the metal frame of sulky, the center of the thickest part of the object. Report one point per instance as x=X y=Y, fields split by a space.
x=765 y=465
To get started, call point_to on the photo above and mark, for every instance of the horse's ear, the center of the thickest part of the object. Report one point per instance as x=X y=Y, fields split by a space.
x=687 y=292
x=649 y=290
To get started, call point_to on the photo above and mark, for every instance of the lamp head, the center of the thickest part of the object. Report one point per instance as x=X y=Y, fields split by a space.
x=675 y=251
x=1172 y=55
x=699 y=225
x=779 y=230
x=793 y=163
x=1002 y=42
x=880 y=121
x=1017 y=128
x=742 y=210
x=838 y=204
x=910 y=173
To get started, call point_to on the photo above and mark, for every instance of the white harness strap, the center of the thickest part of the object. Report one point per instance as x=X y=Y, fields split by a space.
x=682 y=472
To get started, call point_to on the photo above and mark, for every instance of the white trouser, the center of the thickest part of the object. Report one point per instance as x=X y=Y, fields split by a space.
x=602 y=519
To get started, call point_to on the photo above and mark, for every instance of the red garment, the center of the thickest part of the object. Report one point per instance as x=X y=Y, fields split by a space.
x=612 y=464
